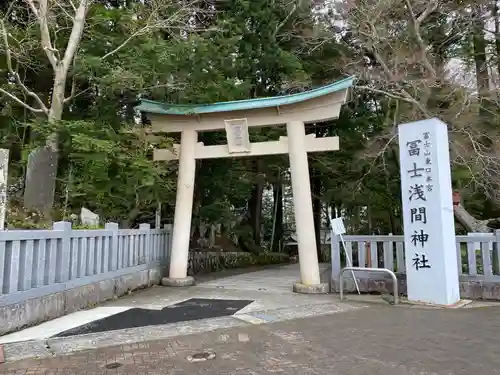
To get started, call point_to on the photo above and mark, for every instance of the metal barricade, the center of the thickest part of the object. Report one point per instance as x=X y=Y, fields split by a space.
x=381 y=270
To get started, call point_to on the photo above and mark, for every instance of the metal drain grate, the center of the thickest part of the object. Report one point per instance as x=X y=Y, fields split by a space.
x=199 y=357
x=111 y=366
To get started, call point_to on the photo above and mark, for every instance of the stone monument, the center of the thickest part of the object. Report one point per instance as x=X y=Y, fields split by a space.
x=429 y=225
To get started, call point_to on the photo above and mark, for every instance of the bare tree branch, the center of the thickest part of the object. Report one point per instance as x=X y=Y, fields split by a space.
x=372 y=44
x=283 y=23
x=63 y=9
x=149 y=26
x=61 y=71
x=42 y=16
x=15 y=74
x=403 y=97
x=431 y=7
x=72 y=5
x=73 y=93
x=73 y=85
x=19 y=101
x=126 y=41
x=404 y=53
x=76 y=33
x=380 y=155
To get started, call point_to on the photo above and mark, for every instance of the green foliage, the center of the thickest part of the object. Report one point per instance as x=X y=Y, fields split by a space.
x=80 y=226
x=111 y=171
x=210 y=262
x=220 y=51
x=21 y=219
x=242 y=49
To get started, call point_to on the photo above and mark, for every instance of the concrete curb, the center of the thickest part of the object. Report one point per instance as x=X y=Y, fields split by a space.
x=69 y=345
x=187 y=281
x=322 y=288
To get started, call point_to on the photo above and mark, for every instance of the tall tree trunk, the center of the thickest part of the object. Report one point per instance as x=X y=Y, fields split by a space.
x=41 y=172
x=316 y=199
x=357 y=215
x=197 y=203
x=278 y=225
x=470 y=223
x=255 y=204
x=496 y=19
x=369 y=219
x=392 y=221
x=480 y=58
x=390 y=205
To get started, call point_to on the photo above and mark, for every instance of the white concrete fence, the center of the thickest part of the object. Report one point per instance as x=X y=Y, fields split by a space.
x=477 y=254
x=48 y=273
x=478 y=263
x=36 y=263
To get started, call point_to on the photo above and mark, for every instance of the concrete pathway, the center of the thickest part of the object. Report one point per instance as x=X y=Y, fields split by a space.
x=270 y=289
x=377 y=340
x=279 y=332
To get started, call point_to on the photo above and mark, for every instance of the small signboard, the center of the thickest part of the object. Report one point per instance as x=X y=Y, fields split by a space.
x=238 y=139
x=338 y=227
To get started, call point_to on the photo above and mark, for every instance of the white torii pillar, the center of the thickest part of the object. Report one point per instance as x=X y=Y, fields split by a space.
x=183 y=208
x=302 y=204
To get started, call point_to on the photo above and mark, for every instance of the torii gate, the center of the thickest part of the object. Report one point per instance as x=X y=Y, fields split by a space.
x=235 y=117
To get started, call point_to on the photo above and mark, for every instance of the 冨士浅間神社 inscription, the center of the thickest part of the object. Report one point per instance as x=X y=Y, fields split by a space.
x=431 y=263
x=419 y=174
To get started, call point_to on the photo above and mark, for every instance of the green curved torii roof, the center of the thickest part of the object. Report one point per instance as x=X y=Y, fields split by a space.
x=151 y=106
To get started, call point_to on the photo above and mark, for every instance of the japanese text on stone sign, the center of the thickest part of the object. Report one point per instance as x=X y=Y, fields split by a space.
x=420 y=175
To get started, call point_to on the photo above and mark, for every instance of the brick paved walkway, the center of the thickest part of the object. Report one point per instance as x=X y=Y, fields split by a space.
x=381 y=340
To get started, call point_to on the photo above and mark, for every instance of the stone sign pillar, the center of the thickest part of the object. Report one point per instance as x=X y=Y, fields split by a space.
x=41 y=180
x=429 y=226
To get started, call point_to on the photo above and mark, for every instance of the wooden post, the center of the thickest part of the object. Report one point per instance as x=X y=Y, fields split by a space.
x=368 y=255
x=496 y=255
x=4 y=173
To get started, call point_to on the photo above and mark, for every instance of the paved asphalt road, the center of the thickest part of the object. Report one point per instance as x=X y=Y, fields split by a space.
x=380 y=339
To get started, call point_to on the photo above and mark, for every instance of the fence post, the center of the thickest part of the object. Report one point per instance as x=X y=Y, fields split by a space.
x=389 y=254
x=336 y=264
x=496 y=255
x=113 y=246
x=147 y=253
x=486 y=250
x=168 y=244
x=63 y=257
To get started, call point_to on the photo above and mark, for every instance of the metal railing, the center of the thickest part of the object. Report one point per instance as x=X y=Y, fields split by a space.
x=380 y=270
x=478 y=255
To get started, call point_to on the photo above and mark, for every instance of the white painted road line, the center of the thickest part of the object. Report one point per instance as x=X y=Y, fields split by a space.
x=249 y=319
x=53 y=327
